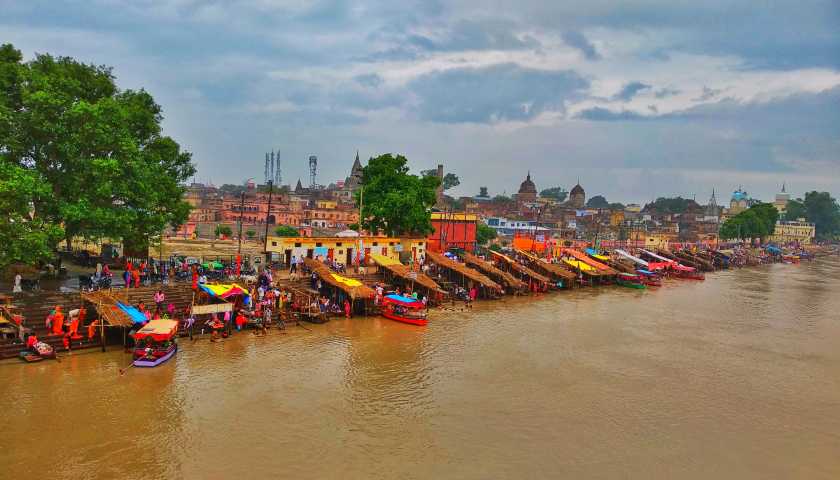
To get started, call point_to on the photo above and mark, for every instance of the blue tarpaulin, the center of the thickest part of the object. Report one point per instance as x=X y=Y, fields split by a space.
x=135 y=315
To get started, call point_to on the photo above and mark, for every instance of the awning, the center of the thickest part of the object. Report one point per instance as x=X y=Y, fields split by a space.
x=404 y=301
x=490 y=269
x=514 y=265
x=135 y=315
x=406 y=273
x=226 y=290
x=467 y=272
x=159 y=330
x=352 y=287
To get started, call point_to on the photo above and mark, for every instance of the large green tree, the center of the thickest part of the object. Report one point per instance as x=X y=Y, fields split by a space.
x=394 y=201
x=757 y=221
x=98 y=150
x=286 y=231
x=484 y=233
x=672 y=205
x=598 y=201
x=819 y=208
x=450 y=180
x=558 y=193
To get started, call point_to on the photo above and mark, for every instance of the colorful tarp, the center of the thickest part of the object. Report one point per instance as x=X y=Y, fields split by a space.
x=135 y=315
x=225 y=290
x=405 y=301
x=346 y=281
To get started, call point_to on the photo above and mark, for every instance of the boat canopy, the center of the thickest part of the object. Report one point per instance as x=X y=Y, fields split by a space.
x=583 y=267
x=657 y=256
x=403 y=301
x=645 y=272
x=683 y=268
x=628 y=276
x=225 y=290
x=158 y=330
x=632 y=258
x=135 y=315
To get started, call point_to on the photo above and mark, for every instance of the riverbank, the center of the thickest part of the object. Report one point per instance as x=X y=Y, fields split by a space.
x=590 y=383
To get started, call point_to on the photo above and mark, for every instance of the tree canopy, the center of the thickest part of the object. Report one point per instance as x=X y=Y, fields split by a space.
x=558 y=193
x=819 y=208
x=286 y=231
x=450 y=180
x=598 y=201
x=758 y=221
x=223 y=230
x=672 y=205
x=484 y=233
x=396 y=202
x=98 y=151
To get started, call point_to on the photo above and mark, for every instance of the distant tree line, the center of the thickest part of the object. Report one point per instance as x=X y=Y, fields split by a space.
x=818 y=208
x=758 y=221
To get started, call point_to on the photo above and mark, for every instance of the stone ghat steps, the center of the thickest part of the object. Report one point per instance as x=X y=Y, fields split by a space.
x=12 y=350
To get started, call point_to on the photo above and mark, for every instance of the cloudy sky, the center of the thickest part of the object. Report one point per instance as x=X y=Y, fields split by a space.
x=637 y=99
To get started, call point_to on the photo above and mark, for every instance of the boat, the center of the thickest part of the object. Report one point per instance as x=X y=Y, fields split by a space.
x=404 y=309
x=649 y=278
x=687 y=273
x=155 y=343
x=629 y=280
x=37 y=351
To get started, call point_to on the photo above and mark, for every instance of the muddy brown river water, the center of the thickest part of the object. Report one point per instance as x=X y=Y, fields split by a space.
x=734 y=377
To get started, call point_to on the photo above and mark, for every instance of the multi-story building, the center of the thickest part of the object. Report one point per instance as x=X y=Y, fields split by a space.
x=798 y=231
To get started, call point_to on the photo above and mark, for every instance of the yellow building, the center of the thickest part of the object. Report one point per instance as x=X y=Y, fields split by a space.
x=798 y=231
x=326 y=204
x=346 y=249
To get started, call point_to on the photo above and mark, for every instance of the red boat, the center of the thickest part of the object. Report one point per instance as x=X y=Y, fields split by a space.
x=649 y=278
x=404 y=309
x=688 y=273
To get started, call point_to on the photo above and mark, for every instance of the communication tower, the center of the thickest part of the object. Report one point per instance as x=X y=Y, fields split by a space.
x=313 y=170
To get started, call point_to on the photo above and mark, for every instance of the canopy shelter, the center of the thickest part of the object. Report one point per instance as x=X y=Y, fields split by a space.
x=581 y=267
x=404 y=301
x=397 y=269
x=553 y=270
x=498 y=275
x=111 y=309
x=657 y=256
x=467 y=273
x=522 y=270
x=158 y=330
x=638 y=261
x=597 y=256
x=355 y=289
x=580 y=256
x=226 y=291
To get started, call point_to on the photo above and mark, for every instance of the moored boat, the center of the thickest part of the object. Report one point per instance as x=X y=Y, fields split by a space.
x=649 y=278
x=629 y=280
x=404 y=309
x=155 y=343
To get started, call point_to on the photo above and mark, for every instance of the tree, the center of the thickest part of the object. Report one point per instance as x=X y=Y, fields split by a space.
x=450 y=180
x=395 y=201
x=484 y=233
x=822 y=210
x=672 y=205
x=616 y=206
x=598 y=201
x=286 y=231
x=502 y=200
x=557 y=193
x=98 y=149
x=250 y=234
x=795 y=209
x=758 y=221
x=223 y=230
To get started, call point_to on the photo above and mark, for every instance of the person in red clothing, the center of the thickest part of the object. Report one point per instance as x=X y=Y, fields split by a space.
x=240 y=321
x=136 y=275
x=195 y=280
x=347 y=308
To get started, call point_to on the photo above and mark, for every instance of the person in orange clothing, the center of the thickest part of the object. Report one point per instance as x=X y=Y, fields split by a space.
x=92 y=329
x=240 y=321
x=136 y=275
x=75 y=322
x=58 y=321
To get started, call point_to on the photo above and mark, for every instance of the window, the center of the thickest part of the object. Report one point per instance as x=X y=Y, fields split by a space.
x=273 y=244
x=297 y=244
x=375 y=244
x=318 y=244
x=338 y=244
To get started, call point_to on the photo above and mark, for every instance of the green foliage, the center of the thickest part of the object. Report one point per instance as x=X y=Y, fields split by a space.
x=286 y=231
x=672 y=205
x=484 y=233
x=758 y=221
x=616 y=206
x=450 y=180
x=231 y=189
x=496 y=247
x=795 y=209
x=396 y=202
x=598 y=201
x=821 y=209
x=250 y=233
x=557 y=193
x=223 y=230
x=98 y=150
x=23 y=239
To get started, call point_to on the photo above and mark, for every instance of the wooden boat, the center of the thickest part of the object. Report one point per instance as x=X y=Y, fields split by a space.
x=649 y=278
x=629 y=280
x=404 y=309
x=687 y=273
x=155 y=343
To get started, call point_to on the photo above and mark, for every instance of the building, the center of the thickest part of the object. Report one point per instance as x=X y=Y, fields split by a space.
x=781 y=201
x=505 y=226
x=453 y=230
x=527 y=191
x=740 y=201
x=577 y=197
x=798 y=231
x=346 y=250
x=712 y=209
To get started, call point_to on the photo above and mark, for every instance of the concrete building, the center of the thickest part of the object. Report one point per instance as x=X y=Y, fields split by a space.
x=346 y=250
x=798 y=231
x=453 y=230
x=781 y=201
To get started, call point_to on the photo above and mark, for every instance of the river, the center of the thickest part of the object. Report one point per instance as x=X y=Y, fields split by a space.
x=734 y=377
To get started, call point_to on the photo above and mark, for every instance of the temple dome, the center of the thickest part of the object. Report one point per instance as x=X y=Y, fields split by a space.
x=528 y=186
x=577 y=190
